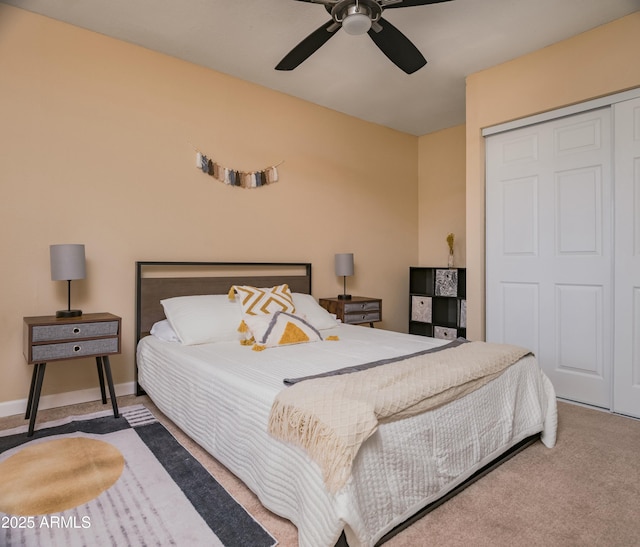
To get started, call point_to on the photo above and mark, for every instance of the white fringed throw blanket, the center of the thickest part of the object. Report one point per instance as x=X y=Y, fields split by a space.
x=331 y=417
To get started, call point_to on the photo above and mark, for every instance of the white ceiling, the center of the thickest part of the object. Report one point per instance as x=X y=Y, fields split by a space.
x=247 y=38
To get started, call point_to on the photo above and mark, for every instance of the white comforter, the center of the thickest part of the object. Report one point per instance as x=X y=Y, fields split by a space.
x=221 y=394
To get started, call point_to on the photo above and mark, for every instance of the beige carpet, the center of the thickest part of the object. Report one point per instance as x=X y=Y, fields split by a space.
x=583 y=492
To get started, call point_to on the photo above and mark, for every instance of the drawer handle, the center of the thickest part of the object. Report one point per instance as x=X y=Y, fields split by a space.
x=76 y=348
x=76 y=330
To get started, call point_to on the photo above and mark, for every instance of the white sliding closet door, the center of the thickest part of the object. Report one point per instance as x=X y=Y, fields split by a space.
x=626 y=394
x=549 y=249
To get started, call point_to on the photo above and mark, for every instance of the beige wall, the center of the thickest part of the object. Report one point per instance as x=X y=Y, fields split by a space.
x=593 y=64
x=95 y=148
x=441 y=196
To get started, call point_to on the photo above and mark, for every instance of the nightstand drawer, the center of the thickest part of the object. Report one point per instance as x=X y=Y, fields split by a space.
x=355 y=307
x=69 y=331
x=68 y=350
x=357 y=318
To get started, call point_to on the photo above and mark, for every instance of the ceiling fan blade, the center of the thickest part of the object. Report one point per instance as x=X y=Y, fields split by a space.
x=308 y=46
x=409 y=3
x=397 y=47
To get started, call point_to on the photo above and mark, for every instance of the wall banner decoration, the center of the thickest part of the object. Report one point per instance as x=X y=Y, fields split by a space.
x=234 y=177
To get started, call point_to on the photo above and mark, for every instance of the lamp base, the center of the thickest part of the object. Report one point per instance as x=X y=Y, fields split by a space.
x=344 y=297
x=68 y=313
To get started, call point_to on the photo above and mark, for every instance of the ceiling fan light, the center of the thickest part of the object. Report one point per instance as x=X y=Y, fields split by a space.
x=356 y=23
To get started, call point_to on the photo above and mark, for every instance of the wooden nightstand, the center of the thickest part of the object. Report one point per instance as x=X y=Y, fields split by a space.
x=47 y=338
x=355 y=311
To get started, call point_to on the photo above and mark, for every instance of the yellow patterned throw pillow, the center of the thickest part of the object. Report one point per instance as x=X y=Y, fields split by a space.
x=256 y=301
x=280 y=329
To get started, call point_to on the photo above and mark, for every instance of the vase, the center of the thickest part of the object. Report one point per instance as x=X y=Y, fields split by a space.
x=450 y=260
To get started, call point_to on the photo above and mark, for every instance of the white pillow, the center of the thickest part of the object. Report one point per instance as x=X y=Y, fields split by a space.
x=164 y=331
x=314 y=313
x=204 y=318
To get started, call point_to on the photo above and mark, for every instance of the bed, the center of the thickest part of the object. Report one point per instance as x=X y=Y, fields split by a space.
x=221 y=393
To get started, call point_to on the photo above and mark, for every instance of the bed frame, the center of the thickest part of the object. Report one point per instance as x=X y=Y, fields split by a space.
x=158 y=280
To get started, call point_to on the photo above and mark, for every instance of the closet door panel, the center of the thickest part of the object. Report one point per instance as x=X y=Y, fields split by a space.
x=521 y=315
x=626 y=382
x=579 y=313
x=520 y=213
x=579 y=209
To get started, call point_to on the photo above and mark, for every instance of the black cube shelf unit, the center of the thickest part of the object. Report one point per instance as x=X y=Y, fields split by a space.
x=438 y=305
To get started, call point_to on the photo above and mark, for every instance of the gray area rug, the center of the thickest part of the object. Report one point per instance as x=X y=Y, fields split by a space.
x=97 y=480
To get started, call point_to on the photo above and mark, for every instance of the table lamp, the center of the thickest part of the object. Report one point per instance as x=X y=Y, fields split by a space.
x=67 y=263
x=344 y=267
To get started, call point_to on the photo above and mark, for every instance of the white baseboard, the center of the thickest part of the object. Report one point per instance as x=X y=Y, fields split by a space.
x=10 y=408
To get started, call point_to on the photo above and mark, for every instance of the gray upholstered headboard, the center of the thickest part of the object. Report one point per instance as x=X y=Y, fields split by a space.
x=156 y=281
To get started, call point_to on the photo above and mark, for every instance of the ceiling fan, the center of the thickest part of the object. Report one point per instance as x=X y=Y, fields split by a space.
x=358 y=17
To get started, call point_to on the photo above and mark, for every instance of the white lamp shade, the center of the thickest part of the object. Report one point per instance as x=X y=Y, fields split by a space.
x=344 y=264
x=67 y=262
